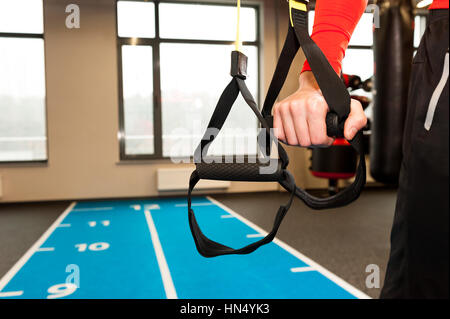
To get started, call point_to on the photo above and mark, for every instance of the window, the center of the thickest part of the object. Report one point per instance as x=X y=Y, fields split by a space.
x=22 y=82
x=172 y=74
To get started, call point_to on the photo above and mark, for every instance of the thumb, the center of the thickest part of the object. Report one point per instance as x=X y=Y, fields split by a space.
x=356 y=120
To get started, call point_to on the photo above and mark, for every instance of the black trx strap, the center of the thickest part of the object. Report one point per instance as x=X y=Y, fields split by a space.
x=262 y=169
x=334 y=92
x=266 y=169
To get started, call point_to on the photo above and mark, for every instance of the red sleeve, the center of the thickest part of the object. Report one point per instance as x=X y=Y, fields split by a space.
x=439 y=4
x=334 y=23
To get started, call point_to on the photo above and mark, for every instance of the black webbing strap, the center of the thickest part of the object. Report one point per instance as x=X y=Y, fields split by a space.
x=336 y=96
x=287 y=55
x=332 y=87
x=220 y=114
x=345 y=196
x=235 y=171
x=223 y=108
x=209 y=248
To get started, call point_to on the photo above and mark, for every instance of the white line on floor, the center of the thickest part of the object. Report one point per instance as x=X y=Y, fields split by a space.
x=11 y=293
x=337 y=280
x=302 y=269
x=152 y=206
x=254 y=235
x=163 y=267
x=19 y=264
x=46 y=249
x=92 y=209
x=194 y=204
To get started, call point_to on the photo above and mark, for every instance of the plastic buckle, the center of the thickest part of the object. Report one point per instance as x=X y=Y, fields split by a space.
x=238 y=65
x=298 y=5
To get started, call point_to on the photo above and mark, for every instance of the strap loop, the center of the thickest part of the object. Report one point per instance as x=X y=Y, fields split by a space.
x=209 y=248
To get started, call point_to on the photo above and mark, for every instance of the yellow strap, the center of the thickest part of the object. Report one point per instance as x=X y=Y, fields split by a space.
x=296 y=5
x=237 y=44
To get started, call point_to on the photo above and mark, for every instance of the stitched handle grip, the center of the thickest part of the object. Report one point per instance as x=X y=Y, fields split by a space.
x=257 y=172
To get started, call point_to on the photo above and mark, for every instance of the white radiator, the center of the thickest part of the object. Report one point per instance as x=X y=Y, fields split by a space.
x=177 y=179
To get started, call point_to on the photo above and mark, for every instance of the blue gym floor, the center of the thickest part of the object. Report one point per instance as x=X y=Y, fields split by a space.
x=144 y=249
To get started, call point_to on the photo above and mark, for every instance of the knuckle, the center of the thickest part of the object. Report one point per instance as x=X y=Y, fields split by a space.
x=305 y=144
x=315 y=106
x=305 y=141
x=282 y=110
x=284 y=106
x=296 y=103
x=278 y=133
x=311 y=106
x=294 y=108
x=275 y=116
x=362 y=121
x=291 y=140
x=318 y=139
x=357 y=103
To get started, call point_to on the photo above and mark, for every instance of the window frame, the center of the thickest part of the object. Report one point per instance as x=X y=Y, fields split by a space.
x=155 y=45
x=19 y=35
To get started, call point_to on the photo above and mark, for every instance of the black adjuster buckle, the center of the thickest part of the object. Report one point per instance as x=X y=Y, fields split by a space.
x=238 y=65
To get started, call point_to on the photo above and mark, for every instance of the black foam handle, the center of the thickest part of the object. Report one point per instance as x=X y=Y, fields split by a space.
x=257 y=172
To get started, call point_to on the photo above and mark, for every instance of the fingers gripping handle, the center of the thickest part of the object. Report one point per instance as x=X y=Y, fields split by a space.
x=335 y=128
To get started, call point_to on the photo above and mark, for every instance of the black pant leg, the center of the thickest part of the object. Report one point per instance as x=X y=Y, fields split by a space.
x=419 y=260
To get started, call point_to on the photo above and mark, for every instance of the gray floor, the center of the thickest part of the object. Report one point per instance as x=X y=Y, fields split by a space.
x=343 y=240
x=21 y=225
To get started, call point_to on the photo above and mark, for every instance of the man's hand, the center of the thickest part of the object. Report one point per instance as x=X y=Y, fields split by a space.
x=300 y=118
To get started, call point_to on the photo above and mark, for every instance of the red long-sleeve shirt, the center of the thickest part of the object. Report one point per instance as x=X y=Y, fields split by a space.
x=334 y=23
x=439 y=4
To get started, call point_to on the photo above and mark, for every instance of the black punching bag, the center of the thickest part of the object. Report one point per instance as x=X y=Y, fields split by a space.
x=393 y=53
